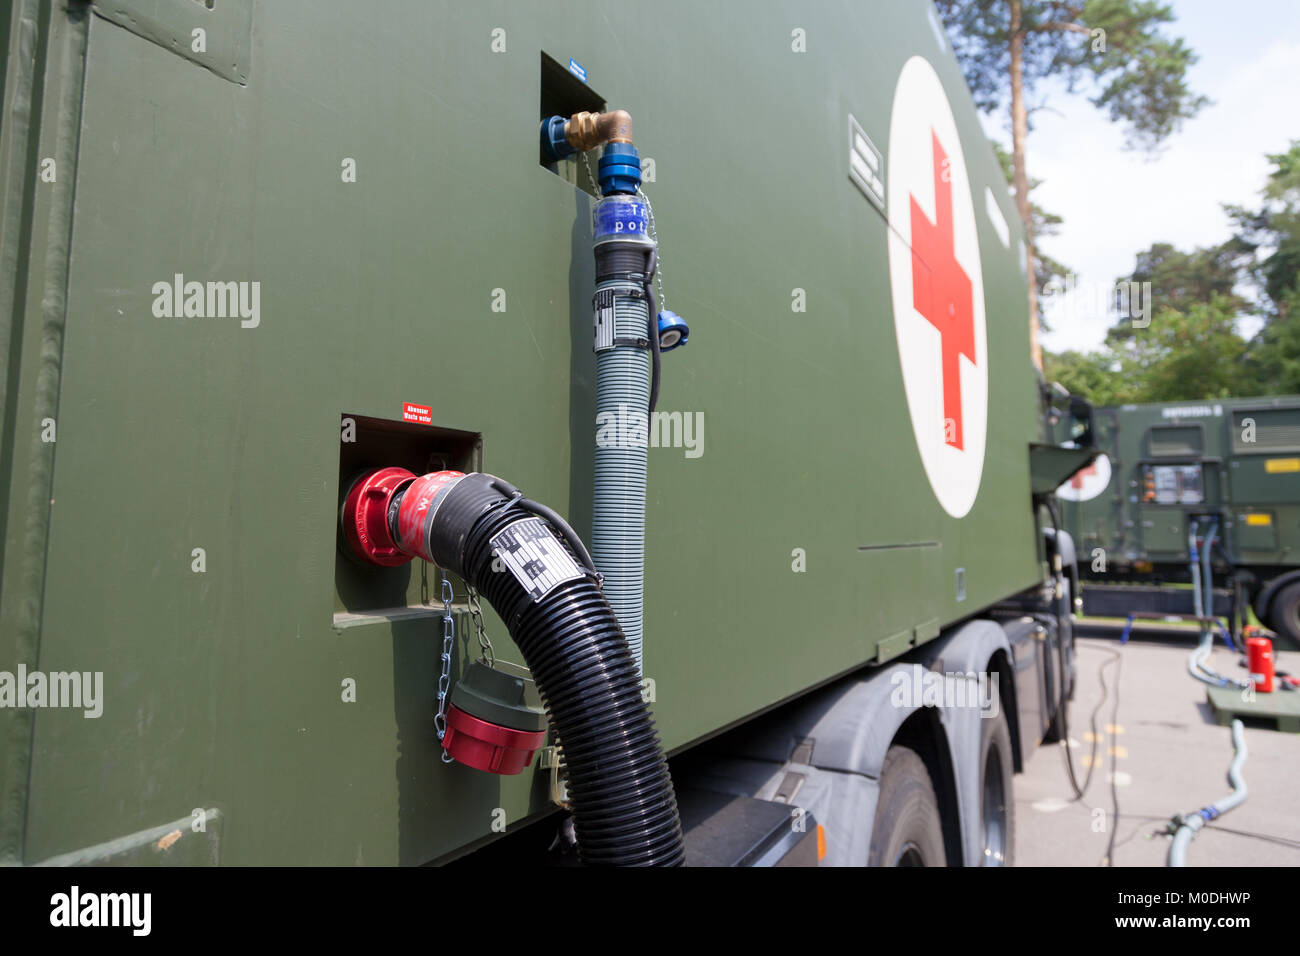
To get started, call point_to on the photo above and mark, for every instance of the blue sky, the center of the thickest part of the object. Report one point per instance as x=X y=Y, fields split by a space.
x=1116 y=202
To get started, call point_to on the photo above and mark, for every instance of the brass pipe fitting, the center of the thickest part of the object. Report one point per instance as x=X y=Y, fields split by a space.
x=586 y=131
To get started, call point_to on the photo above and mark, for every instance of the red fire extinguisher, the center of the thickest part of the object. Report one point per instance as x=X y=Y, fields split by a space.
x=1259 y=661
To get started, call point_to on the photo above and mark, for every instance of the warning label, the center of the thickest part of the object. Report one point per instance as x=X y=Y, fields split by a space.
x=603 y=305
x=421 y=414
x=535 y=556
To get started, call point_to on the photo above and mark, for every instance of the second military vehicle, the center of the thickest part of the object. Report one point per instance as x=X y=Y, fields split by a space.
x=1176 y=476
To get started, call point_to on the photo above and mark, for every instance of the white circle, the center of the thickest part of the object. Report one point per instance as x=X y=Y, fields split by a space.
x=1088 y=483
x=953 y=461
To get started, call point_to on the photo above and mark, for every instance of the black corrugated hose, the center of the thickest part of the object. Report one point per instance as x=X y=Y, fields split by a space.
x=624 y=808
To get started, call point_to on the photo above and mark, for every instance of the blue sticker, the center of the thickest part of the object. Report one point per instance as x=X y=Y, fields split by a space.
x=576 y=69
x=620 y=219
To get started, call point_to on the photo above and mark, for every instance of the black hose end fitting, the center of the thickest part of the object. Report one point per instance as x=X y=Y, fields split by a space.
x=473 y=496
x=536 y=574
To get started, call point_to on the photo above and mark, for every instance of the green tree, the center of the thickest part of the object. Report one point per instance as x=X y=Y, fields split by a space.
x=1189 y=353
x=1276 y=350
x=1137 y=74
x=1180 y=280
x=1094 y=375
x=1190 y=349
x=1271 y=237
x=1045 y=224
x=1274 y=231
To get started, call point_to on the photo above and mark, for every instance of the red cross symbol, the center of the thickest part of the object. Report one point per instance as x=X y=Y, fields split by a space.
x=1076 y=481
x=941 y=291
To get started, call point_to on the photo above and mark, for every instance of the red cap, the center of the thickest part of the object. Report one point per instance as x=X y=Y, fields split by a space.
x=491 y=747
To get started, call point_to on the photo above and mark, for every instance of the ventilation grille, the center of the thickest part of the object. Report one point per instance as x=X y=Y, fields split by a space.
x=1175 y=441
x=1275 y=429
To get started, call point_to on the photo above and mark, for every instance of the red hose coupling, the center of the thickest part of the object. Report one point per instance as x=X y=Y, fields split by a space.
x=415 y=513
x=486 y=746
x=365 y=516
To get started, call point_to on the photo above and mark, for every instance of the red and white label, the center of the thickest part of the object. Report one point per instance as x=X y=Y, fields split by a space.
x=938 y=287
x=421 y=414
x=1087 y=483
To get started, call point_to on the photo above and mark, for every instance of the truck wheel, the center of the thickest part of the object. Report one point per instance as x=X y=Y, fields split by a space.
x=907 y=830
x=997 y=808
x=1284 y=614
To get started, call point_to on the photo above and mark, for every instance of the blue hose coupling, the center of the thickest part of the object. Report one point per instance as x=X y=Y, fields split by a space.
x=554 y=143
x=673 y=331
x=619 y=170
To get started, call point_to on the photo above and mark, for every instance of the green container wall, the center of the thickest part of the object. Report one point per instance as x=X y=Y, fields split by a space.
x=223 y=688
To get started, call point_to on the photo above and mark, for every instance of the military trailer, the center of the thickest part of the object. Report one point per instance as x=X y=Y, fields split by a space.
x=385 y=480
x=1174 y=476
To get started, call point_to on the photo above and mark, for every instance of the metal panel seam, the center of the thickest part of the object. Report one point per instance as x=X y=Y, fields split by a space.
x=54 y=295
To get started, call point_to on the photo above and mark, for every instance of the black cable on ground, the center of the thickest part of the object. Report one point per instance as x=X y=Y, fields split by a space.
x=1063 y=707
x=1080 y=790
x=1109 y=859
x=1117 y=659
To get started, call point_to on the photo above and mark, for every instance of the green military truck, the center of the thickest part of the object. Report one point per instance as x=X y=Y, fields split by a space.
x=325 y=320
x=1172 y=476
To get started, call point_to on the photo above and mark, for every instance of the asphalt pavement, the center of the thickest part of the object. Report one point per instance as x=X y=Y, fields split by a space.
x=1169 y=756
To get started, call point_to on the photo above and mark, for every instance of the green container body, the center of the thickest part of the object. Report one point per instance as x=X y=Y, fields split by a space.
x=180 y=534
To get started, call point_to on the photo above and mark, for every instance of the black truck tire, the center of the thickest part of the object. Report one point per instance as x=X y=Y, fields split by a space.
x=907 y=830
x=997 y=807
x=1284 y=614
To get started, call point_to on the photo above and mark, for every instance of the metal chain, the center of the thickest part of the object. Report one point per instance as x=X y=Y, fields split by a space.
x=476 y=612
x=444 y=680
x=586 y=161
x=659 y=258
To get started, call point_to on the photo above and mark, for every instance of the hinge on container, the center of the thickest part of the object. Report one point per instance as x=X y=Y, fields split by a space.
x=803 y=751
x=792 y=782
x=790 y=785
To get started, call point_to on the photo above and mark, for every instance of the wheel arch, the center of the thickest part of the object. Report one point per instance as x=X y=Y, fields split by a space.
x=837 y=738
x=1262 y=605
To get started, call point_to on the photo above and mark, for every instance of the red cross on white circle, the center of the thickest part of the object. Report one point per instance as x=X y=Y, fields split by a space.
x=937 y=283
